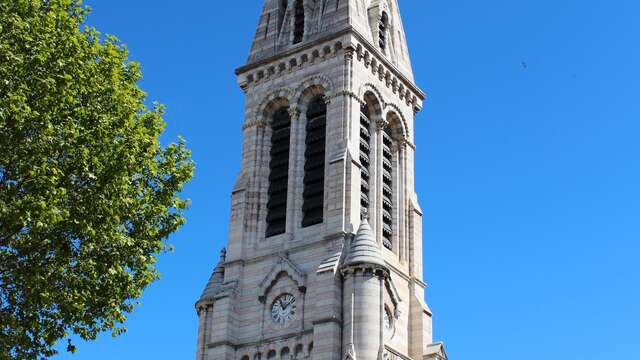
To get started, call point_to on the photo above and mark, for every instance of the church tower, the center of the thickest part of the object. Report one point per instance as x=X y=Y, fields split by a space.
x=325 y=239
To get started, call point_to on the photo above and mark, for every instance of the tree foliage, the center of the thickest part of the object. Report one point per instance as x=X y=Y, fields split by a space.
x=88 y=194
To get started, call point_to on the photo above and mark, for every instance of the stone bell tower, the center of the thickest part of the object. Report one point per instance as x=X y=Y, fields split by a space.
x=325 y=240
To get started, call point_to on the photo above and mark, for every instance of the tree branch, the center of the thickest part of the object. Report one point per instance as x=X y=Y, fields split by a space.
x=5 y=238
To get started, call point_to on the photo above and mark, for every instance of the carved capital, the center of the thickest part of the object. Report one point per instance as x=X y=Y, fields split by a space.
x=253 y=123
x=381 y=124
x=294 y=112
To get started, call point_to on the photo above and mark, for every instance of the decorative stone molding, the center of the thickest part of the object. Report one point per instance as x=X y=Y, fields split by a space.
x=281 y=97
x=395 y=295
x=254 y=123
x=435 y=351
x=393 y=109
x=283 y=265
x=311 y=86
x=369 y=87
x=348 y=54
x=350 y=94
x=387 y=75
x=297 y=60
x=294 y=112
x=381 y=124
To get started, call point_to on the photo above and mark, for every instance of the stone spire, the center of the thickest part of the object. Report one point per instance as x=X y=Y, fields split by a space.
x=323 y=19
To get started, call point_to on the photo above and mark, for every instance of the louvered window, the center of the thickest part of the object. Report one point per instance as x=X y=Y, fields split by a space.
x=382 y=27
x=313 y=207
x=387 y=188
x=279 y=173
x=298 y=29
x=365 y=156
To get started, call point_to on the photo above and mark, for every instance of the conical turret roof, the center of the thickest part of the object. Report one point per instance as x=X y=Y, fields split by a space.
x=364 y=249
x=215 y=281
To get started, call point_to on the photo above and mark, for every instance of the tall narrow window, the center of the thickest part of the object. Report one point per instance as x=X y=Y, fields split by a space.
x=298 y=29
x=382 y=27
x=266 y=28
x=281 y=13
x=365 y=156
x=313 y=207
x=279 y=173
x=387 y=187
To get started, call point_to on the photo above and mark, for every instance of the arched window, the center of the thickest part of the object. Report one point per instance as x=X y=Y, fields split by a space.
x=271 y=355
x=285 y=354
x=365 y=156
x=279 y=173
x=298 y=29
x=257 y=356
x=299 y=353
x=311 y=350
x=387 y=187
x=246 y=357
x=382 y=28
x=313 y=207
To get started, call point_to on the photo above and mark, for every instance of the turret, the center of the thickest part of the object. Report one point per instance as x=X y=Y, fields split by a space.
x=364 y=273
x=204 y=305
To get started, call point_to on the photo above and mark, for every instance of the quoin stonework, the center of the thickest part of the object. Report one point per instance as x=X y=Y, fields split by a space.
x=325 y=240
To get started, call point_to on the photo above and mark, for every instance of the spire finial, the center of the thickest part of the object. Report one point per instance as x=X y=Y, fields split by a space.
x=364 y=214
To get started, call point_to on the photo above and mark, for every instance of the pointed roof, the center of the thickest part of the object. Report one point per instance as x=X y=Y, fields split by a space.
x=327 y=18
x=364 y=249
x=215 y=281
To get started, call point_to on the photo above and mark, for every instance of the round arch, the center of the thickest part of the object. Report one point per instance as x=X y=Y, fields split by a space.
x=270 y=104
x=309 y=88
x=396 y=120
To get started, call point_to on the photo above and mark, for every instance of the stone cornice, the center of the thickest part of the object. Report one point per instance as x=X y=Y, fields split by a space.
x=381 y=58
x=301 y=247
x=263 y=341
x=305 y=46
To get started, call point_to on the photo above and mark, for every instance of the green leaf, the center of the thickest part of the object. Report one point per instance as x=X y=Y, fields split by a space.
x=88 y=195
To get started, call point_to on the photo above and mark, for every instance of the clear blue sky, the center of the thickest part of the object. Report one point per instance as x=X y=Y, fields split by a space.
x=529 y=178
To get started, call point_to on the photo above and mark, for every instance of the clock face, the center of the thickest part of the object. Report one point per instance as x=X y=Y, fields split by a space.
x=283 y=310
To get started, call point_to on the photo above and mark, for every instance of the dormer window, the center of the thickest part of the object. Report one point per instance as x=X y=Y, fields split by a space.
x=383 y=26
x=298 y=29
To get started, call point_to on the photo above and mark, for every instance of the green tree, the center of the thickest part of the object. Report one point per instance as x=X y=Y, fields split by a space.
x=88 y=194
